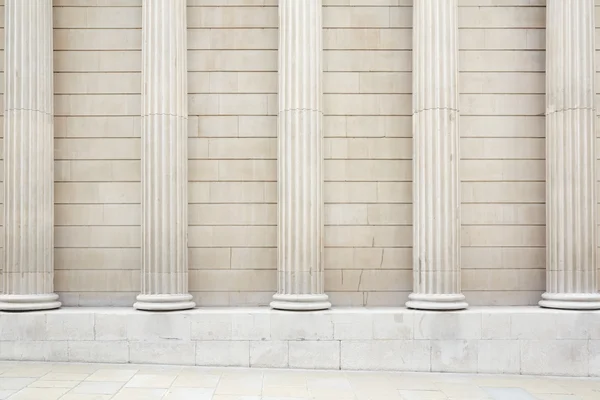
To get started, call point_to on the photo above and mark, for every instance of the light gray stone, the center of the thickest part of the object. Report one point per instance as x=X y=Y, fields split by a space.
x=498 y=357
x=454 y=355
x=398 y=355
x=301 y=326
x=349 y=326
x=34 y=350
x=223 y=353
x=495 y=325
x=594 y=352
x=456 y=325
x=154 y=327
x=94 y=351
x=212 y=326
x=23 y=326
x=70 y=326
x=535 y=325
x=314 y=354
x=555 y=357
x=393 y=326
x=251 y=326
x=164 y=352
x=269 y=354
x=111 y=326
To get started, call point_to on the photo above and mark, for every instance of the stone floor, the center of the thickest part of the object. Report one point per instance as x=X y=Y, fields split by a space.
x=46 y=381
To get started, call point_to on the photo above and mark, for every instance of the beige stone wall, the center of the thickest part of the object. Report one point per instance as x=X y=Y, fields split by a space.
x=97 y=63
x=502 y=86
x=232 y=62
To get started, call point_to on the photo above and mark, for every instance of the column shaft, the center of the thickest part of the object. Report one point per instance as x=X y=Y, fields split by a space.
x=28 y=158
x=300 y=160
x=436 y=182
x=164 y=157
x=571 y=281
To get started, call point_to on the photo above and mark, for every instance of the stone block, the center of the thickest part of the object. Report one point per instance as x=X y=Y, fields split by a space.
x=314 y=354
x=100 y=352
x=498 y=357
x=154 y=327
x=22 y=326
x=223 y=353
x=454 y=355
x=555 y=357
x=211 y=326
x=70 y=326
x=594 y=354
x=269 y=354
x=393 y=355
x=165 y=352
x=352 y=325
x=301 y=326
x=22 y=350
x=393 y=326
x=110 y=326
x=495 y=325
x=448 y=325
x=251 y=326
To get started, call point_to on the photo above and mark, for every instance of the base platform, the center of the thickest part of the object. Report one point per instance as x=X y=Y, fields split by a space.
x=510 y=340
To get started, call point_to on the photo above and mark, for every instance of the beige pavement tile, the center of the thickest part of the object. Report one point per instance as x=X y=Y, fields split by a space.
x=140 y=394
x=5 y=394
x=234 y=397
x=196 y=380
x=151 y=381
x=422 y=395
x=240 y=386
x=98 y=387
x=80 y=396
x=63 y=376
x=39 y=394
x=412 y=383
x=31 y=371
x=285 y=391
x=188 y=394
x=112 y=375
x=15 y=383
x=462 y=391
x=54 y=384
x=77 y=368
x=284 y=378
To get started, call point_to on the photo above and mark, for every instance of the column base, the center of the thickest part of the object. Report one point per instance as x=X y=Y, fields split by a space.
x=300 y=302
x=571 y=301
x=29 y=302
x=164 y=302
x=436 y=302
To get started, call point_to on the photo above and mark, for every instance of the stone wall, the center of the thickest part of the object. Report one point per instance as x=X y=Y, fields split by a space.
x=232 y=61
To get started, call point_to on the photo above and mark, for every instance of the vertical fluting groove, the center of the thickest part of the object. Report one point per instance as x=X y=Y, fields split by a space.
x=570 y=156
x=300 y=163
x=436 y=196
x=28 y=275
x=164 y=157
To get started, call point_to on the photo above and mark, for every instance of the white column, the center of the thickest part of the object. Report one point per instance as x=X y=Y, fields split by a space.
x=571 y=281
x=300 y=160
x=436 y=182
x=28 y=158
x=164 y=157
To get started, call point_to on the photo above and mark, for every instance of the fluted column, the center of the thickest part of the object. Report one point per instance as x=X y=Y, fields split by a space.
x=571 y=281
x=164 y=157
x=27 y=283
x=300 y=160
x=436 y=182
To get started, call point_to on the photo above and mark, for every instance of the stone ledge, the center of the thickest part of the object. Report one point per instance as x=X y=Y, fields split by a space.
x=512 y=340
